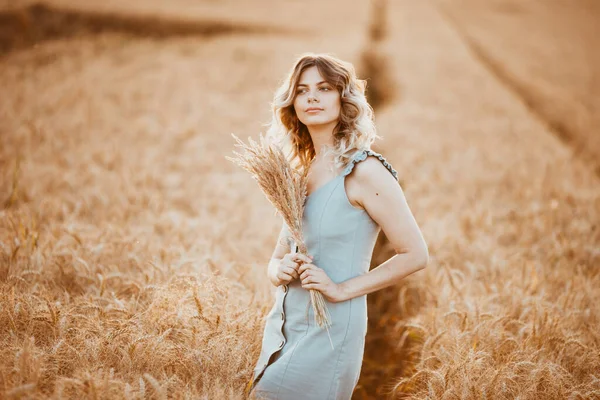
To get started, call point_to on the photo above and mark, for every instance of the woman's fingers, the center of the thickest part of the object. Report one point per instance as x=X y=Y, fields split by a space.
x=287 y=274
x=295 y=259
x=293 y=265
x=302 y=258
x=309 y=274
x=284 y=276
x=305 y=267
x=291 y=271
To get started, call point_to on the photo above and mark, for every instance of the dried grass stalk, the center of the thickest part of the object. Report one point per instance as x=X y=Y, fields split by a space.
x=285 y=188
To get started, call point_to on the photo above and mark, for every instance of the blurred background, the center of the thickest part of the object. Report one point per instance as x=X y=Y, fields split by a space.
x=133 y=255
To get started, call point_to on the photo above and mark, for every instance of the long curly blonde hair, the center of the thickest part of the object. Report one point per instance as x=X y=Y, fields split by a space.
x=355 y=130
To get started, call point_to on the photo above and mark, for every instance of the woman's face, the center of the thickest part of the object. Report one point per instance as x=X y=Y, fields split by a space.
x=317 y=102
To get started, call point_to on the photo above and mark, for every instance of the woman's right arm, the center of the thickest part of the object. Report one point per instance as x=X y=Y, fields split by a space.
x=283 y=265
x=281 y=249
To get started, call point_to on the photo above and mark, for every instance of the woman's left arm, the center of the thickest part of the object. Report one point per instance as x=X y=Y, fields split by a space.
x=383 y=199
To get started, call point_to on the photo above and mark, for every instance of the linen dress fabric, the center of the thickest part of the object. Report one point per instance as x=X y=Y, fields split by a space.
x=297 y=360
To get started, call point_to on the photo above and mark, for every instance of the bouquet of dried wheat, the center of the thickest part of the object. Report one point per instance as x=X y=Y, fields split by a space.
x=285 y=188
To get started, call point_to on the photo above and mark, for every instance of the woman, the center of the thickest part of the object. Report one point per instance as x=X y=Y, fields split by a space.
x=321 y=115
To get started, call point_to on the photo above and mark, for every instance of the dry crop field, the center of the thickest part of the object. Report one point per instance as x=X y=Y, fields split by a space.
x=545 y=52
x=133 y=255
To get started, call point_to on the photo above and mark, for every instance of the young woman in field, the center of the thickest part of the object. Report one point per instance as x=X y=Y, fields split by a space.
x=321 y=114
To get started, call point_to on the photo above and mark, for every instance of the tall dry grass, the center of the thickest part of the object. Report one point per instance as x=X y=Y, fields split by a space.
x=129 y=259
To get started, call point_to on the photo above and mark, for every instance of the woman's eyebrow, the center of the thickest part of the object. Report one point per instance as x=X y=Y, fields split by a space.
x=303 y=84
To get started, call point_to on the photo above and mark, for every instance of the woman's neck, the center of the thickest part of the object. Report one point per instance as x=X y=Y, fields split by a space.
x=322 y=138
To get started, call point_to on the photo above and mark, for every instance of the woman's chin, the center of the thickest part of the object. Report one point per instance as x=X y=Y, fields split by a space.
x=317 y=122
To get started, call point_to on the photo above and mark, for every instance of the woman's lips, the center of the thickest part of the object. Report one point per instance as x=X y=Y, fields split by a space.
x=313 y=110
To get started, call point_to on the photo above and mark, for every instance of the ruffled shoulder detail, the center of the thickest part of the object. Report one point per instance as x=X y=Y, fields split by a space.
x=362 y=155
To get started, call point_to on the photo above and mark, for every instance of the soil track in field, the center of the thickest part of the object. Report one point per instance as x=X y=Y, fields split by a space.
x=546 y=52
x=24 y=27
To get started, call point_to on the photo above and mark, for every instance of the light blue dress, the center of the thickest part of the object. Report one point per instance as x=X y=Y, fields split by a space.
x=297 y=360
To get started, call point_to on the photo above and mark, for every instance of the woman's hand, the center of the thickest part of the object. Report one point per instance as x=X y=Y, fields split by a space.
x=287 y=269
x=313 y=277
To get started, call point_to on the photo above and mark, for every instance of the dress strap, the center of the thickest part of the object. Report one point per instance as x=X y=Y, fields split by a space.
x=362 y=155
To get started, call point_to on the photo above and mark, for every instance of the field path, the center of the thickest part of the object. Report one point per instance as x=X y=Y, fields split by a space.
x=502 y=202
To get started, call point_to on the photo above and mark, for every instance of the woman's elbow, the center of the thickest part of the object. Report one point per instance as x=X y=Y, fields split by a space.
x=422 y=258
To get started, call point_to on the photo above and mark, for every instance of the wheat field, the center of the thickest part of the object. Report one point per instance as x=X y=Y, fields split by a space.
x=133 y=255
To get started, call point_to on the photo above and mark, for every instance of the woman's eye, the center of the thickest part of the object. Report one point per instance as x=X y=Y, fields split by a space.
x=304 y=90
